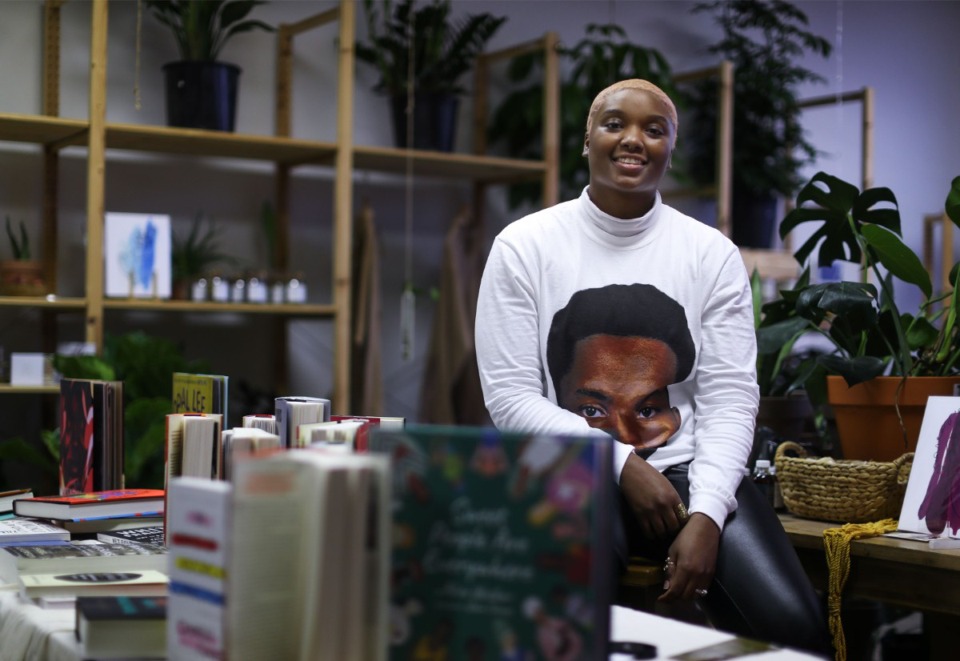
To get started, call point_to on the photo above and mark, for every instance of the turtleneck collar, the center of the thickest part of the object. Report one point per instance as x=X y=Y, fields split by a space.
x=618 y=231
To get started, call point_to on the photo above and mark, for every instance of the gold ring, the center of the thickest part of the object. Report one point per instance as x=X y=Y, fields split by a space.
x=682 y=512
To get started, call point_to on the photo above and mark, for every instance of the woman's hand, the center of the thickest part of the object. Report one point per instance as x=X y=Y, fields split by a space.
x=652 y=498
x=692 y=559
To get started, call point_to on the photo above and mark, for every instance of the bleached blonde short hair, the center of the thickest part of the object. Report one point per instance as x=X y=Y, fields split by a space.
x=636 y=84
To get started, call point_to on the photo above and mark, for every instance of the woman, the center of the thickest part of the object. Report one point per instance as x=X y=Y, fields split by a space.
x=682 y=492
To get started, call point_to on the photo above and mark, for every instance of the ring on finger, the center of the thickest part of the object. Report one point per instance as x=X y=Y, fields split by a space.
x=681 y=510
x=700 y=592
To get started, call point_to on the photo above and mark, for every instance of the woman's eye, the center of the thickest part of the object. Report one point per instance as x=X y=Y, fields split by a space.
x=655 y=130
x=589 y=411
x=612 y=124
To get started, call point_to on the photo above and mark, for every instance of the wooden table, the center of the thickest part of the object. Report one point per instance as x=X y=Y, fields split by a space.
x=893 y=571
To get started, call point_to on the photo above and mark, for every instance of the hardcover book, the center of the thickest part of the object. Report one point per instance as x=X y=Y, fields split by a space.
x=122 y=626
x=7 y=498
x=118 y=502
x=500 y=541
x=91 y=435
x=93 y=525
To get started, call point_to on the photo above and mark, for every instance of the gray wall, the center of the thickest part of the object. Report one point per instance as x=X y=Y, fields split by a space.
x=905 y=50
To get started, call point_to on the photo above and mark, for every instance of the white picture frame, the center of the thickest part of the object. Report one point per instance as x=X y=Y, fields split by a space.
x=137 y=253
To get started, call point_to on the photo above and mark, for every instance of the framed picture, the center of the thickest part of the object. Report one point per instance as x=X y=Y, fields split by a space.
x=931 y=505
x=137 y=255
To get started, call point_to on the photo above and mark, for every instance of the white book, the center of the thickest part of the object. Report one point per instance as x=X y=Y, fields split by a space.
x=291 y=412
x=21 y=530
x=244 y=442
x=329 y=433
x=198 y=527
x=265 y=421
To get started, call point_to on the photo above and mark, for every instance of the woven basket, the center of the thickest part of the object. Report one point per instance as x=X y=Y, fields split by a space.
x=846 y=491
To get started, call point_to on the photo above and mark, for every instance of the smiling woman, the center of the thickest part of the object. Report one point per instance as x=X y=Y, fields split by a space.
x=616 y=315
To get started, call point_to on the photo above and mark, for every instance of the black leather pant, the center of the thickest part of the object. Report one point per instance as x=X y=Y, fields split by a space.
x=759 y=590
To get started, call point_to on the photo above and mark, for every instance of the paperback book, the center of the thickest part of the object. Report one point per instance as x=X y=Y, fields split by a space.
x=93 y=525
x=502 y=542
x=122 y=626
x=77 y=558
x=147 y=535
x=291 y=412
x=118 y=502
x=19 y=530
x=91 y=435
x=150 y=582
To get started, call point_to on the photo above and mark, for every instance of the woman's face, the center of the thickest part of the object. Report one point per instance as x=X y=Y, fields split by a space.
x=628 y=150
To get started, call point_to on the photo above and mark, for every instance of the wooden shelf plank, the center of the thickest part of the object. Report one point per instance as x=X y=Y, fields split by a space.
x=283 y=309
x=444 y=164
x=8 y=389
x=50 y=301
x=42 y=130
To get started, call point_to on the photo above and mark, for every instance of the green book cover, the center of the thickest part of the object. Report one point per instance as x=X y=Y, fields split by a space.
x=502 y=543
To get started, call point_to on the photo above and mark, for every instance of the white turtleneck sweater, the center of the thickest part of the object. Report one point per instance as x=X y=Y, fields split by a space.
x=539 y=261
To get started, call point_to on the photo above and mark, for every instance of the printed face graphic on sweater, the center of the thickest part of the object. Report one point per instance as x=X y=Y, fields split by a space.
x=619 y=384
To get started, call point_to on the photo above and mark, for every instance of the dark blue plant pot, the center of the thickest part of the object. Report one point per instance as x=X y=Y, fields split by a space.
x=434 y=120
x=201 y=95
x=754 y=218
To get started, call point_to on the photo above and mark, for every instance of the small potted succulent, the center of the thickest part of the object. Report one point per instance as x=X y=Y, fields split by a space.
x=22 y=275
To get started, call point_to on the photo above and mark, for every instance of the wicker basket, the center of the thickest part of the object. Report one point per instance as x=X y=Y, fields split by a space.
x=846 y=491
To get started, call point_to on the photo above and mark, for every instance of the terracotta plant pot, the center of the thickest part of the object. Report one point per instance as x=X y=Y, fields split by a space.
x=867 y=423
x=22 y=278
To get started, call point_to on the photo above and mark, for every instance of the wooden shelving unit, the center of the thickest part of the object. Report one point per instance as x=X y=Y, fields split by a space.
x=100 y=140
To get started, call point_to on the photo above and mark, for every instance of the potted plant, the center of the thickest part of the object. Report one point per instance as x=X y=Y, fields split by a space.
x=442 y=50
x=602 y=57
x=22 y=275
x=201 y=91
x=194 y=255
x=879 y=351
x=763 y=40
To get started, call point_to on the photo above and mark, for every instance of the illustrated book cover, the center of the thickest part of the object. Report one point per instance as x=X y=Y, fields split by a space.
x=91 y=435
x=201 y=393
x=931 y=506
x=117 y=502
x=122 y=626
x=501 y=542
x=137 y=253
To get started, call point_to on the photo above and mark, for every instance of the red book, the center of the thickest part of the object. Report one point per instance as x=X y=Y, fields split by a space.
x=119 y=502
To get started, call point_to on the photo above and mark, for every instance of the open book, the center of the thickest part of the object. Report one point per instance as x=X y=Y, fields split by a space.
x=931 y=506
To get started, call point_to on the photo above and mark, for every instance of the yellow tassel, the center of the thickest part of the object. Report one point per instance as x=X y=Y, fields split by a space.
x=836 y=543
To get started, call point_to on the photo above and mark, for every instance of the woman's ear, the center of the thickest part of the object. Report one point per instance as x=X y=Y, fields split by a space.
x=586 y=144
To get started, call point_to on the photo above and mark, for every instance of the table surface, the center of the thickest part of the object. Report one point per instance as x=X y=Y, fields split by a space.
x=31 y=632
x=896 y=571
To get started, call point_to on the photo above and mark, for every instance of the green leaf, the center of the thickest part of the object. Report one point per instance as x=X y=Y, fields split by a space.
x=952 y=205
x=897 y=258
